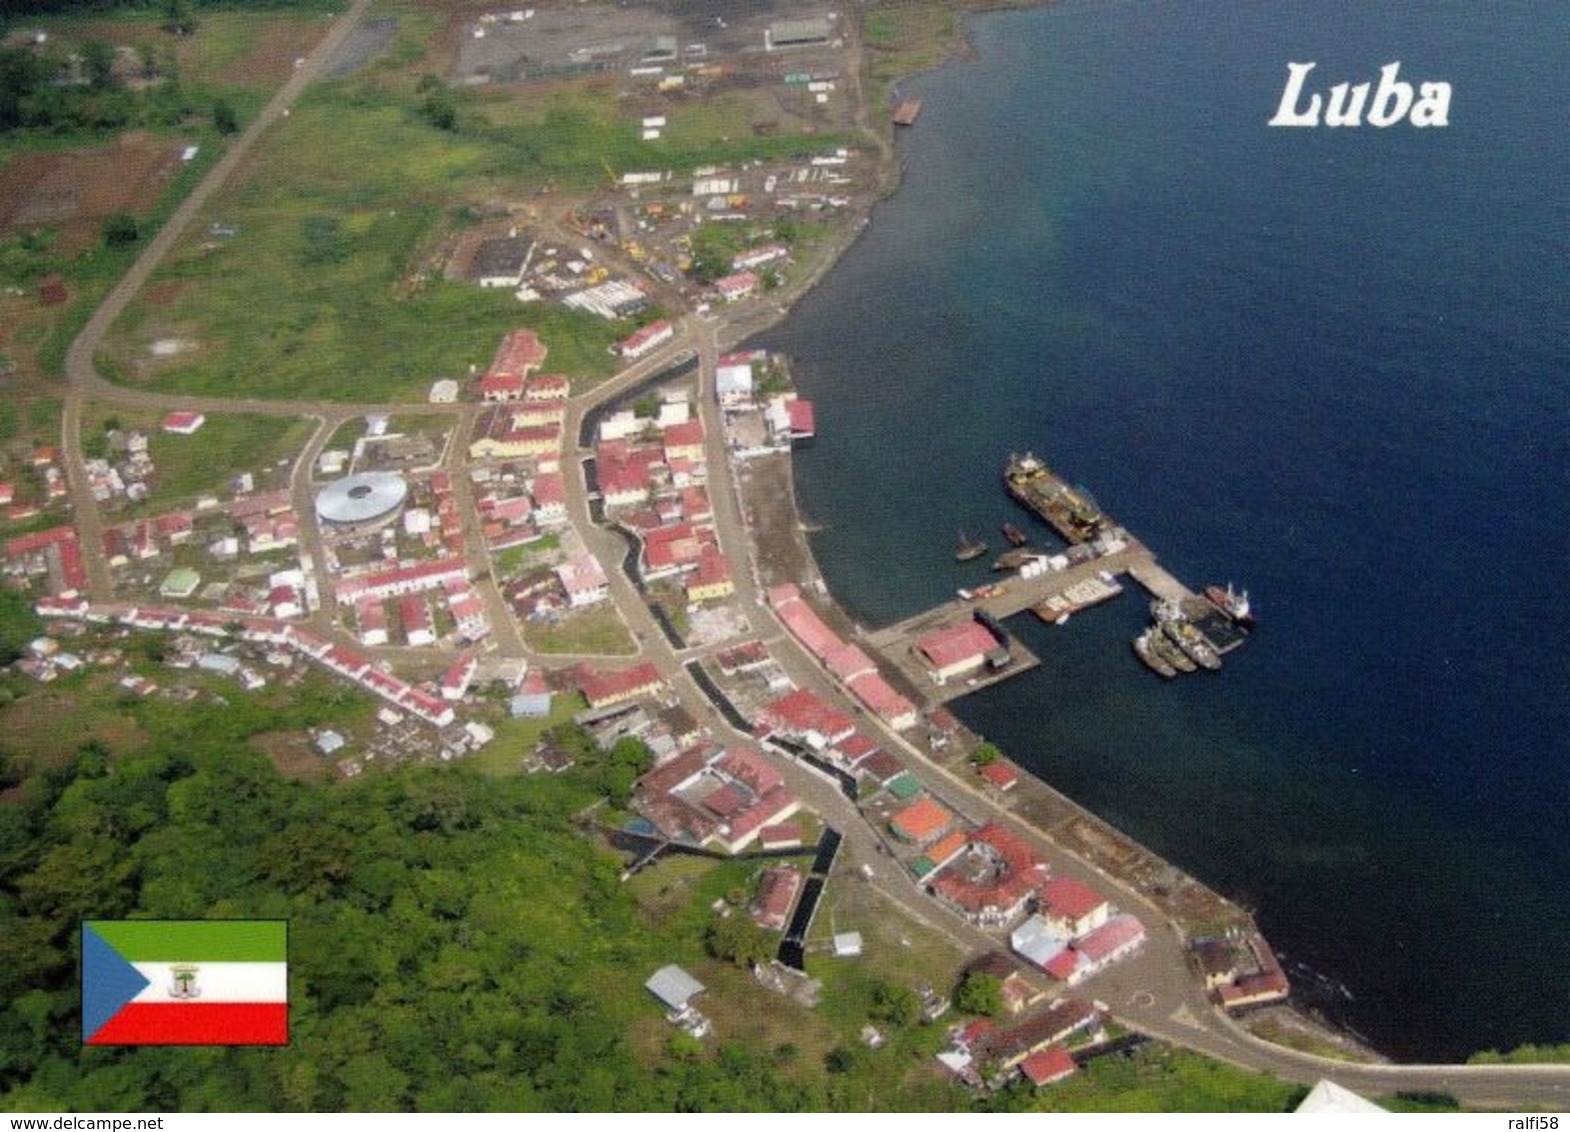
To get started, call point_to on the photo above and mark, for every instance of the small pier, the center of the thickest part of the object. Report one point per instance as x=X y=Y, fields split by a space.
x=1053 y=595
x=1016 y=595
x=1158 y=583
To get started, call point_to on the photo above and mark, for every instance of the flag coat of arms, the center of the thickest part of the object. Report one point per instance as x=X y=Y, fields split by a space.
x=185 y=982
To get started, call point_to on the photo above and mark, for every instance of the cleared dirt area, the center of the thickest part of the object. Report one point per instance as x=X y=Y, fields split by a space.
x=74 y=192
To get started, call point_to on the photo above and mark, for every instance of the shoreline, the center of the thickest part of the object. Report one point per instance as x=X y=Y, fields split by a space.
x=1184 y=901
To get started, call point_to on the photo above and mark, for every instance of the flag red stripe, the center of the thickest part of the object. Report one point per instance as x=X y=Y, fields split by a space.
x=197 y=1024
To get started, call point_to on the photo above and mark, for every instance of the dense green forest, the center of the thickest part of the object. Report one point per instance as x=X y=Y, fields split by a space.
x=455 y=943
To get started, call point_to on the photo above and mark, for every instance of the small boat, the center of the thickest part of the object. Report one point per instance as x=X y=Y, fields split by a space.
x=969 y=549
x=1015 y=536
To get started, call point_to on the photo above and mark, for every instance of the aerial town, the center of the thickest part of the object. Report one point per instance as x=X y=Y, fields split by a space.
x=531 y=533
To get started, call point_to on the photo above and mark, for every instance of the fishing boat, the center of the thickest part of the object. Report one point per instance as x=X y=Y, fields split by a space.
x=1015 y=536
x=969 y=549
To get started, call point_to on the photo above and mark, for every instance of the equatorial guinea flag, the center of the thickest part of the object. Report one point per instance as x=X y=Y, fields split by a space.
x=185 y=982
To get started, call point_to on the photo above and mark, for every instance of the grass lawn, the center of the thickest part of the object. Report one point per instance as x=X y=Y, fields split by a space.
x=511 y=562
x=227 y=445
x=50 y=721
x=516 y=738
x=1158 y=1078
x=322 y=293
x=598 y=631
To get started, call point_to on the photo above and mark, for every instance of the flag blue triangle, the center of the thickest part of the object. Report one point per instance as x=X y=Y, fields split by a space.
x=108 y=982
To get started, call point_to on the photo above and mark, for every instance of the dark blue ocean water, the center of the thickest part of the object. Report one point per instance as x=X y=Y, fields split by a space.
x=1331 y=365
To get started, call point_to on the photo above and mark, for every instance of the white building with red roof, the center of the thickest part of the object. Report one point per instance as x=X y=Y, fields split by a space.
x=649 y=338
x=550 y=498
x=956 y=650
x=602 y=689
x=417 y=578
x=183 y=423
x=683 y=441
x=883 y=701
x=501 y=387
x=456 y=680
x=1048 y=1066
x=1072 y=908
x=547 y=387
x=801 y=715
x=711 y=580
x=733 y=288
x=584 y=580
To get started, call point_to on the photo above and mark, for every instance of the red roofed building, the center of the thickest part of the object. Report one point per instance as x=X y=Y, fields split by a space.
x=497 y=387
x=801 y=715
x=1034 y=1034
x=995 y=882
x=738 y=286
x=770 y=809
x=1120 y=936
x=695 y=505
x=956 y=650
x=60 y=550
x=520 y=353
x=777 y=889
x=604 y=688
x=1001 y=775
x=183 y=424
x=650 y=337
x=883 y=701
x=1071 y=909
x=455 y=682
x=847 y=662
x=712 y=579
x=674 y=549
x=803 y=421
x=584 y=580
x=1047 y=1066
x=921 y=822
x=625 y=475
x=683 y=441
x=749 y=768
x=945 y=849
x=550 y=497
x=853 y=750
x=805 y=624
x=786 y=835
x=403 y=580
x=547 y=387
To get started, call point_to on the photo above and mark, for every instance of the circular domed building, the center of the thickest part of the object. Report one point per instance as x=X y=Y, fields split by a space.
x=361 y=502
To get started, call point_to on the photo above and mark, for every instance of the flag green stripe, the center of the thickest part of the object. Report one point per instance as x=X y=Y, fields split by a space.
x=193 y=941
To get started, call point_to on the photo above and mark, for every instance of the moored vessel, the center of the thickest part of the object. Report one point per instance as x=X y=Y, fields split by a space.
x=1015 y=536
x=969 y=548
x=1233 y=603
x=1144 y=648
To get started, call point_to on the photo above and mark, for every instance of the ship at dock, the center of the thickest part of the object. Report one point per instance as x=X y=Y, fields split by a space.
x=1234 y=603
x=1068 y=510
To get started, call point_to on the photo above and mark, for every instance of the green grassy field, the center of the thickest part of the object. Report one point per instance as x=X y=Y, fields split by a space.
x=187 y=466
x=516 y=738
x=598 y=631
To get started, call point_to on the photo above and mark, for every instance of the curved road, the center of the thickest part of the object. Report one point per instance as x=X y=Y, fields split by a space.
x=1154 y=992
